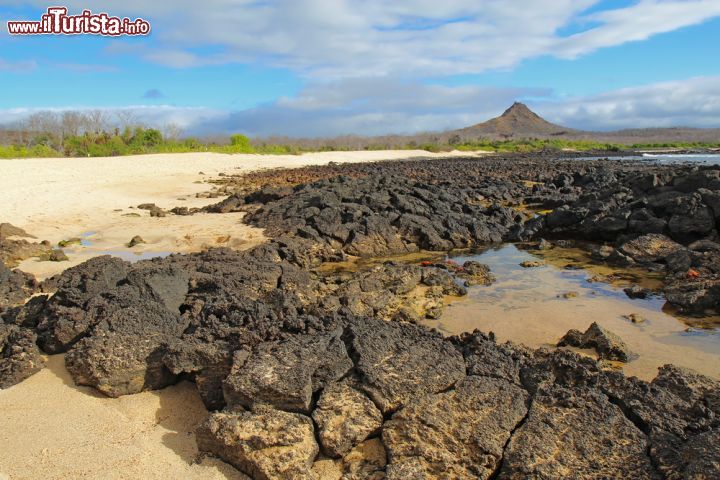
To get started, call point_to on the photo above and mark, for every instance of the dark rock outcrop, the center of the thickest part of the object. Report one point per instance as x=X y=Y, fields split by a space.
x=578 y=434
x=15 y=287
x=608 y=345
x=457 y=434
x=345 y=417
x=397 y=362
x=285 y=374
x=265 y=443
x=19 y=356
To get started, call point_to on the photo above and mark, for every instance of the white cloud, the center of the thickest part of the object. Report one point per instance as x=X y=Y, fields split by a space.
x=158 y=116
x=372 y=106
x=637 y=22
x=381 y=106
x=694 y=103
x=347 y=38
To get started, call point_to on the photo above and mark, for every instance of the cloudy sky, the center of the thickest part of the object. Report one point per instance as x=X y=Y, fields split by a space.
x=331 y=67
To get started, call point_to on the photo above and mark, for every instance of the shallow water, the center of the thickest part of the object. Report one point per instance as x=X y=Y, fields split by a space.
x=666 y=158
x=87 y=248
x=526 y=305
x=671 y=158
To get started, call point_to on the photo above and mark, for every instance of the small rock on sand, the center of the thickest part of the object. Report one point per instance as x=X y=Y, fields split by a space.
x=635 y=318
x=136 y=240
x=56 y=255
x=532 y=264
x=68 y=242
x=568 y=295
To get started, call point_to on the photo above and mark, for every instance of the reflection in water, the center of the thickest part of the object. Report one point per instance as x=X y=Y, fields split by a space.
x=132 y=256
x=528 y=305
x=87 y=242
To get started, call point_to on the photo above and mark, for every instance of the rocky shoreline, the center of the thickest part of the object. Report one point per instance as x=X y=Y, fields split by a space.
x=301 y=367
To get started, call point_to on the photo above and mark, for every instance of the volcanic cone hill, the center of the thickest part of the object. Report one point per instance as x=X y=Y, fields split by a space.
x=516 y=121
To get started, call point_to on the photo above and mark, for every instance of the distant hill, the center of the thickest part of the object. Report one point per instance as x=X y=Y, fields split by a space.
x=519 y=122
x=516 y=121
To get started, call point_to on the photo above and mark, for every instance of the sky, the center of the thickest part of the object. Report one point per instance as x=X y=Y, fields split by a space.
x=373 y=67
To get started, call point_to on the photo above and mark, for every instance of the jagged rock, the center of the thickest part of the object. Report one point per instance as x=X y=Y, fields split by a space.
x=678 y=401
x=576 y=434
x=699 y=457
x=704 y=245
x=696 y=296
x=644 y=221
x=15 y=287
x=120 y=364
x=266 y=444
x=382 y=214
x=167 y=286
x=476 y=273
x=650 y=248
x=78 y=284
x=345 y=417
x=457 y=434
x=636 y=291
x=367 y=461
x=154 y=210
x=19 y=356
x=436 y=277
x=103 y=294
x=679 y=411
x=398 y=362
x=692 y=224
x=209 y=362
x=484 y=357
x=286 y=373
x=568 y=295
x=544 y=245
x=608 y=345
x=181 y=211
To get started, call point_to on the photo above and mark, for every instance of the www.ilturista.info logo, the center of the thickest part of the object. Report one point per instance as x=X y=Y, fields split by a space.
x=57 y=22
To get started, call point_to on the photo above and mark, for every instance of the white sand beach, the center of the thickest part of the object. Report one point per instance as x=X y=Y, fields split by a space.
x=90 y=198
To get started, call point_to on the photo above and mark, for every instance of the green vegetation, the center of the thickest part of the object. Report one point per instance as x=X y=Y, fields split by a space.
x=140 y=140
x=21 y=151
x=537 y=145
x=133 y=141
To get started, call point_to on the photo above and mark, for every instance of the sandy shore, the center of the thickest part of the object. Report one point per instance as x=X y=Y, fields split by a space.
x=52 y=429
x=90 y=198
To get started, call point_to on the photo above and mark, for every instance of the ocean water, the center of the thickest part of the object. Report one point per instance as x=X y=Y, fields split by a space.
x=666 y=158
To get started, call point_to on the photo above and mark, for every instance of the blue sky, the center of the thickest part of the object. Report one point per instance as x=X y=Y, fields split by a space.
x=330 y=67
